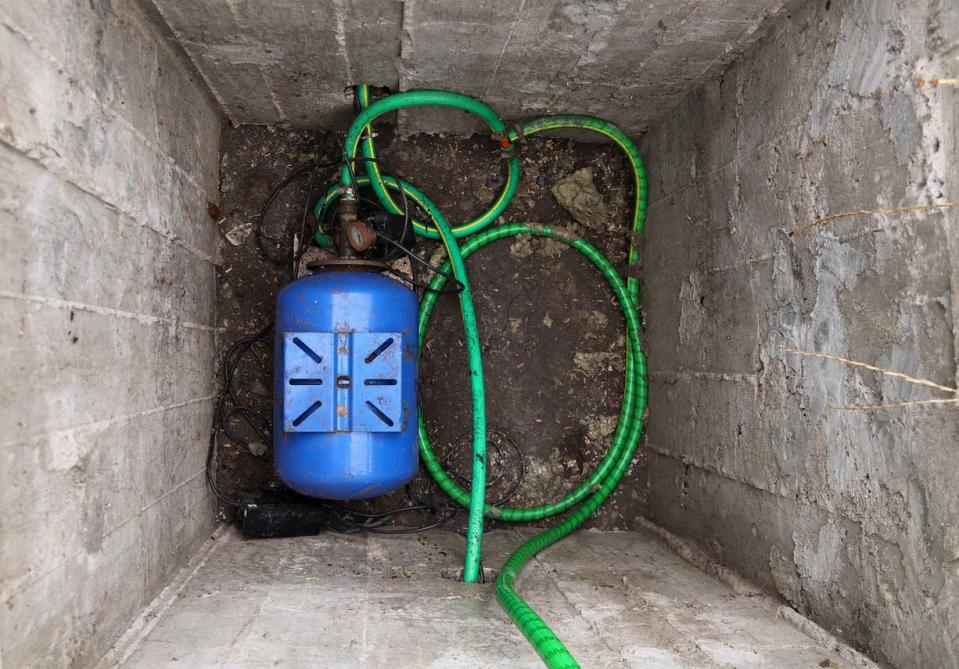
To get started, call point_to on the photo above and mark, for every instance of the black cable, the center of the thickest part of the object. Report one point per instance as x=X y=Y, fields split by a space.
x=313 y=167
x=306 y=241
x=349 y=167
x=502 y=446
x=211 y=459
x=231 y=361
x=397 y=245
x=406 y=214
x=258 y=228
x=425 y=263
x=252 y=417
x=374 y=520
x=260 y=424
x=413 y=256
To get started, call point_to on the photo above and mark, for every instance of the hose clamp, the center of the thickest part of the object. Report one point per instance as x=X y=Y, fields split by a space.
x=507 y=146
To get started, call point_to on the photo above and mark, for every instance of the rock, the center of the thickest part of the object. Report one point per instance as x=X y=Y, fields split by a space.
x=595 y=363
x=552 y=248
x=257 y=448
x=599 y=428
x=239 y=233
x=598 y=320
x=438 y=256
x=522 y=247
x=577 y=194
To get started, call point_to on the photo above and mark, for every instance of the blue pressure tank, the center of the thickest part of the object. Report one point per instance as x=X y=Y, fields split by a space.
x=345 y=384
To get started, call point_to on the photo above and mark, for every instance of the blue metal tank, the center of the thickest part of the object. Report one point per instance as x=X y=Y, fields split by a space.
x=345 y=384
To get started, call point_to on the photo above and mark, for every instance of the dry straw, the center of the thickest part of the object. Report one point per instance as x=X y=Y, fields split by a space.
x=888 y=372
x=866 y=212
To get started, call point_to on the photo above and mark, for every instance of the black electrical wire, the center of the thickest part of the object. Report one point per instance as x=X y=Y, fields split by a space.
x=345 y=517
x=231 y=362
x=258 y=228
x=406 y=219
x=398 y=246
x=306 y=240
x=425 y=263
x=313 y=169
x=372 y=521
x=502 y=446
x=409 y=252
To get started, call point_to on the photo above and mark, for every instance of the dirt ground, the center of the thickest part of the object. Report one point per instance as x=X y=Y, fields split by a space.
x=551 y=331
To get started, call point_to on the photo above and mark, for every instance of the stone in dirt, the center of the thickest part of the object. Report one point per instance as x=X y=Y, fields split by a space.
x=577 y=194
x=239 y=233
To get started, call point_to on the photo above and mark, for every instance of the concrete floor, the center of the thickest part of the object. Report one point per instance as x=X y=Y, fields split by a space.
x=619 y=599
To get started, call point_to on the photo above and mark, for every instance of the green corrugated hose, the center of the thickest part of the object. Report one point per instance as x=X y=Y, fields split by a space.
x=596 y=489
x=361 y=124
x=593 y=491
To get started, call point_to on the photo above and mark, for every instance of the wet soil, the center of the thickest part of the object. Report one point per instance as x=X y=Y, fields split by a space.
x=551 y=331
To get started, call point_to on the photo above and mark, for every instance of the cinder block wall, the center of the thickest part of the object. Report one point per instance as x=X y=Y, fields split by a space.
x=108 y=157
x=851 y=516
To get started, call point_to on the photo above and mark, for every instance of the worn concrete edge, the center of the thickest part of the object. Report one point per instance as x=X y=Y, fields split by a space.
x=814 y=631
x=697 y=557
x=156 y=18
x=757 y=29
x=128 y=642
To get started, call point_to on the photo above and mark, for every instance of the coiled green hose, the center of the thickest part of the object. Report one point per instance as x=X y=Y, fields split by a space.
x=597 y=488
x=416 y=99
x=593 y=491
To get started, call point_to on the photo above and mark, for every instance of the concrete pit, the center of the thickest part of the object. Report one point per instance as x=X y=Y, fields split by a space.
x=791 y=503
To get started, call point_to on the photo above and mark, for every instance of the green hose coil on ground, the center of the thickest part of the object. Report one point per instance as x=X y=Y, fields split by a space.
x=595 y=489
x=360 y=128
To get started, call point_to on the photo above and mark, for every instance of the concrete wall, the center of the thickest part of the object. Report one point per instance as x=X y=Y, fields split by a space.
x=289 y=60
x=851 y=516
x=108 y=157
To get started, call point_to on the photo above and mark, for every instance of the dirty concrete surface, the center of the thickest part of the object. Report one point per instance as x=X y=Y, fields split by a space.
x=616 y=599
x=551 y=331
x=107 y=162
x=756 y=246
x=110 y=149
x=628 y=61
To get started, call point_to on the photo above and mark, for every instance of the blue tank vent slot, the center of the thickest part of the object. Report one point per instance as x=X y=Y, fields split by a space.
x=308 y=400
x=343 y=382
x=377 y=393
